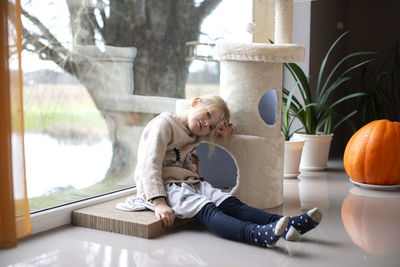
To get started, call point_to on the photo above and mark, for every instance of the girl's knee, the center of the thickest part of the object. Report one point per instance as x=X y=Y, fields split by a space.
x=207 y=212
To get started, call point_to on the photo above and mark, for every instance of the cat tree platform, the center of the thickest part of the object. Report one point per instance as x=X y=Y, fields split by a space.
x=106 y=217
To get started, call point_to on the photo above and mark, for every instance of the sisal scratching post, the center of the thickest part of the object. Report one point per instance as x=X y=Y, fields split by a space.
x=283 y=21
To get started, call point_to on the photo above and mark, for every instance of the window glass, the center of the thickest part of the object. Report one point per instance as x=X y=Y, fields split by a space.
x=95 y=73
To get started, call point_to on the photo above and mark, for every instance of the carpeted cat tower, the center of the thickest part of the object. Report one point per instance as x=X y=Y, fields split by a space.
x=248 y=71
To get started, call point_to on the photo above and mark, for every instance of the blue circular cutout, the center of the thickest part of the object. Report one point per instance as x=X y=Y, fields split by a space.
x=220 y=169
x=267 y=107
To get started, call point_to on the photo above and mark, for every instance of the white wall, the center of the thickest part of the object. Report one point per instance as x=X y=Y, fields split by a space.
x=301 y=36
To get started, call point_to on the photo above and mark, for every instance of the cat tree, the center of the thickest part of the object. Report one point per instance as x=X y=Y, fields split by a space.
x=248 y=71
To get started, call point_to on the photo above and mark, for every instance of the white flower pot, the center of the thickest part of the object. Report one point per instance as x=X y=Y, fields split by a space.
x=292 y=158
x=315 y=151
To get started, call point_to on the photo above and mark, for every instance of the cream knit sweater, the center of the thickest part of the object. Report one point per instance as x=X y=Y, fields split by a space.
x=163 y=147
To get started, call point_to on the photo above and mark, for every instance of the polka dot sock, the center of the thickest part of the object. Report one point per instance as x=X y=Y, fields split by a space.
x=267 y=235
x=301 y=224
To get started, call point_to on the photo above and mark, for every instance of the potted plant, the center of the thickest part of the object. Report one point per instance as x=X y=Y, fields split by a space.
x=293 y=149
x=381 y=84
x=315 y=111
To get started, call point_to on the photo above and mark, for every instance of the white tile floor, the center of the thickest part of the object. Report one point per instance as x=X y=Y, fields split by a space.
x=360 y=227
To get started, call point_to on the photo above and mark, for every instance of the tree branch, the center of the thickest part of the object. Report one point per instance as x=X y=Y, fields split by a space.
x=46 y=33
x=207 y=6
x=101 y=8
x=91 y=18
x=47 y=53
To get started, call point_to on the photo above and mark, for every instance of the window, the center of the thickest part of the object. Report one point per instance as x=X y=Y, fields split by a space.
x=95 y=72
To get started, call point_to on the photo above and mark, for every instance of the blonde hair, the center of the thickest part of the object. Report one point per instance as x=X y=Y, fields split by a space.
x=212 y=102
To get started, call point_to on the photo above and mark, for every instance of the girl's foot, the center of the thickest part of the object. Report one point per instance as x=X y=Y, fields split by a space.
x=268 y=235
x=301 y=224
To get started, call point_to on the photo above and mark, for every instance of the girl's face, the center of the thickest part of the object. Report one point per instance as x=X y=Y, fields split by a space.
x=201 y=121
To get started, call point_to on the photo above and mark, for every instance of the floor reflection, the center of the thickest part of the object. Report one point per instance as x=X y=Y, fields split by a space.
x=168 y=257
x=313 y=190
x=372 y=219
x=104 y=249
x=292 y=205
x=189 y=246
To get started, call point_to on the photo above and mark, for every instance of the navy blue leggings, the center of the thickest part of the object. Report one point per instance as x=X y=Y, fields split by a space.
x=233 y=219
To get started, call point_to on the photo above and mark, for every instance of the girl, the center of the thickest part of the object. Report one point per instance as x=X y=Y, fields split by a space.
x=176 y=191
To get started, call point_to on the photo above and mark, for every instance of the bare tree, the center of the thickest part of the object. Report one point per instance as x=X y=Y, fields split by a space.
x=157 y=28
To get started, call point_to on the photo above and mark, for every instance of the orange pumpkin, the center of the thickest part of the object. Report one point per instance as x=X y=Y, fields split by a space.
x=372 y=155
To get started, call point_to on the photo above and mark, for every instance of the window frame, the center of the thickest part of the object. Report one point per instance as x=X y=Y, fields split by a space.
x=50 y=218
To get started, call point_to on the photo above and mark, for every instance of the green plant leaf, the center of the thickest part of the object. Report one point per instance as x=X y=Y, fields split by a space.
x=344 y=119
x=321 y=93
x=300 y=79
x=341 y=79
x=287 y=106
x=323 y=64
x=294 y=99
x=328 y=125
x=335 y=85
x=346 y=98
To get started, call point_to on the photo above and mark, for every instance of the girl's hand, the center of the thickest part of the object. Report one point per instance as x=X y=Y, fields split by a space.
x=192 y=167
x=225 y=131
x=164 y=213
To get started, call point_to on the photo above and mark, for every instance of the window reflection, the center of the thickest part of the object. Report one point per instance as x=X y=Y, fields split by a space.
x=94 y=72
